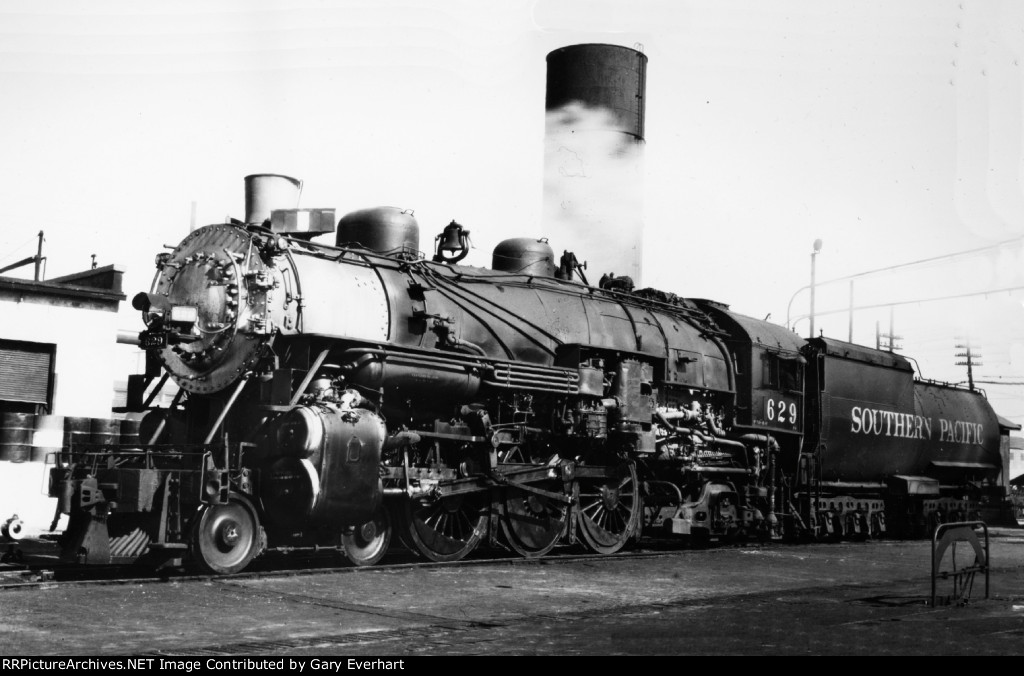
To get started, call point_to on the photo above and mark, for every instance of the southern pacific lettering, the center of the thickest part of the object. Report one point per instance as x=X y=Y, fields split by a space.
x=889 y=423
x=910 y=426
x=960 y=432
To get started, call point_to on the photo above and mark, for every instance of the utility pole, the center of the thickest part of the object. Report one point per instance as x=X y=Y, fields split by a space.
x=814 y=254
x=38 y=260
x=39 y=257
x=889 y=342
x=970 y=357
x=849 y=338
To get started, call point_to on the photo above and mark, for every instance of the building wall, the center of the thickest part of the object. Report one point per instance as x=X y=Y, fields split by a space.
x=78 y=315
x=85 y=339
x=1016 y=456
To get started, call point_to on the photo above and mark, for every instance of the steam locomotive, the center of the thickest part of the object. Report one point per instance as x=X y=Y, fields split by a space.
x=344 y=395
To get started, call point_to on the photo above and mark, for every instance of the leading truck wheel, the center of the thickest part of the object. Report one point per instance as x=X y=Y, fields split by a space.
x=365 y=545
x=226 y=537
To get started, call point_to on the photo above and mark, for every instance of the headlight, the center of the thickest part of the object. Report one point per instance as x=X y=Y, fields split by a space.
x=184 y=314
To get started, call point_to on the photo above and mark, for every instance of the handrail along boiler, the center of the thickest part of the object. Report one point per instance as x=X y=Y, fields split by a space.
x=337 y=395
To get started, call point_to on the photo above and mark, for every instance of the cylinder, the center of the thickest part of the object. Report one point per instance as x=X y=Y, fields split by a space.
x=524 y=255
x=329 y=472
x=610 y=77
x=266 y=192
x=381 y=229
x=48 y=437
x=16 y=436
x=104 y=431
x=76 y=431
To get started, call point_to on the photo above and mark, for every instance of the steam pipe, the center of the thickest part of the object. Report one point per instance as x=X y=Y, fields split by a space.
x=156 y=390
x=773 y=452
x=713 y=441
x=728 y=361
x=224 y=412
x=472 y=347
x=728 y=443
x=684 y=414
x=301 y=389
x=163 y=423
x=765 y=439
x=399 y=440
x=715 y=429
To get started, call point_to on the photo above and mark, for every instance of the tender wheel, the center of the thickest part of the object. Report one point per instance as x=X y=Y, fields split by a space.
x=877 y=529
x=820 y=531
x=533 y=523
x=365 y=545
x=608 y=510
x=446 y=530
x=226 y=537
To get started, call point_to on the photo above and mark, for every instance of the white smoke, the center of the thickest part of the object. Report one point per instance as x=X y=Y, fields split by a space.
x=593 y=190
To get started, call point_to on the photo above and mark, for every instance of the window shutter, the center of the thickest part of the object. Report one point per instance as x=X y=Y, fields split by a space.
x=25 y=371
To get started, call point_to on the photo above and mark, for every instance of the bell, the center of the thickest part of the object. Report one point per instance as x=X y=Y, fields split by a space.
x=455 y=240
x=452 y=238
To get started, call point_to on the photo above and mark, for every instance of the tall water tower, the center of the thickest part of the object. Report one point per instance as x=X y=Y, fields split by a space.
x=593 y=187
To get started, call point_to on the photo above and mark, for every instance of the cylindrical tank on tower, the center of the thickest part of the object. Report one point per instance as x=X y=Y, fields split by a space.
x=593 y=187
x=600 y=76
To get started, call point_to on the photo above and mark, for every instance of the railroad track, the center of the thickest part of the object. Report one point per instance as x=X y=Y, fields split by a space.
x=37 y=572
x=47 y=572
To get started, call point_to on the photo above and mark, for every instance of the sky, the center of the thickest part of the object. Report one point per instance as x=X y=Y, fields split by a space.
x=891 y=131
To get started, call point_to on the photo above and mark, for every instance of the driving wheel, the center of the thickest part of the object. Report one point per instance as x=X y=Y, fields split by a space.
x=532 y=522
x=447 y=529
x=608 y=508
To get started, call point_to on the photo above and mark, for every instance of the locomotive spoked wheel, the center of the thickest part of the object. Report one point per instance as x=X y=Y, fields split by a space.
x=608 y=509
x=396 y=512
x=533 y=523
x=365 y=545
x=226 y=537
x=445 y=530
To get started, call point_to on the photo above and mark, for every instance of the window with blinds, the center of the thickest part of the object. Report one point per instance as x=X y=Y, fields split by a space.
x=26 y=371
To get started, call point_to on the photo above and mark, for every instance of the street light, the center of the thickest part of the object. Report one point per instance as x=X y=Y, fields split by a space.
x=789 y=308
x=817 y=248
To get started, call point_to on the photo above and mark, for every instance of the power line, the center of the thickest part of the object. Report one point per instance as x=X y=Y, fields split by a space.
x=850 y=278
x=876 y=306
x=11 y=253
x=922 y=261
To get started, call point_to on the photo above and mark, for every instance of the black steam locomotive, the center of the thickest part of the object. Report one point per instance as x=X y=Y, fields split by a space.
x=340 y=395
